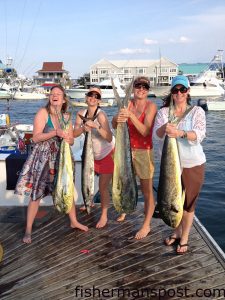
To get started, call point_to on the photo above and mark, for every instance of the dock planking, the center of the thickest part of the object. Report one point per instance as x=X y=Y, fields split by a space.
x=63 y=263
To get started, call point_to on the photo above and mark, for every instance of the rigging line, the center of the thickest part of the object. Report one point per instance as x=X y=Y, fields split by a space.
x=6 y=29
x=20 y=26
x=31 y=67
x=29 y=37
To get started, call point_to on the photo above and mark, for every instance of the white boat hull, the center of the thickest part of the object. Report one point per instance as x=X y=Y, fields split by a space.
x=5 y=95
x=81 y=93
x=110 y=102
x=28 y=96
x=216 y=105
x=196 y=91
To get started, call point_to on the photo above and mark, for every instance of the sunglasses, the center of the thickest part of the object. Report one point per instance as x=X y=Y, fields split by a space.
x=145 y=86
x=183 y=90
x=95 y=95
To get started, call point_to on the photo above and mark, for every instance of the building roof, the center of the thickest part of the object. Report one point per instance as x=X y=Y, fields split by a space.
x=192 y=69
x=52 y=67
x=131 y=63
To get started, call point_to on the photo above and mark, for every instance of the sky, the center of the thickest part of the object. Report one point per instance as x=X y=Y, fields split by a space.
x=80 y=33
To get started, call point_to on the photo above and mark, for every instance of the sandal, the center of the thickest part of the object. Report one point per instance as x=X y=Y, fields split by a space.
x=171 y=240
x=181 y=246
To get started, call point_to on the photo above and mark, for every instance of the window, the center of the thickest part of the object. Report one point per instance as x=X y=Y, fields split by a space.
x=141 y=71
x=104 y=71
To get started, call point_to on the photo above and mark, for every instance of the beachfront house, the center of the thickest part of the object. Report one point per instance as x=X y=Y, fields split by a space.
x=51 y=72
x=160 y=71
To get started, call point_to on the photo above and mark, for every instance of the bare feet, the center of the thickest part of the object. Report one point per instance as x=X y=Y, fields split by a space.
x=121 y=218
x=27 y=238
x=83 y=208
x=142 y=233
x=78 y=226
x=102 y=222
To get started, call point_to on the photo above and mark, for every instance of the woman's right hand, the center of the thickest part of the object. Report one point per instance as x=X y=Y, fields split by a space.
x=123 y=115
x=60 y=133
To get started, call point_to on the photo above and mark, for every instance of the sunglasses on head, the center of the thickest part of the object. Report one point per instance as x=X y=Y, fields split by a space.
x=143 y=85
x=95 y=95
x=183 y=90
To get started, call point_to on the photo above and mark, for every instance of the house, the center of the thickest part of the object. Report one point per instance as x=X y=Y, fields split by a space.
x=160 y=71
x=51 y=72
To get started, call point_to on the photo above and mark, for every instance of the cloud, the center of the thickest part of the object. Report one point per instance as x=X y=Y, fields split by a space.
x=150 y=42
x=184 y=39
x=130 y=51
x=181 y=40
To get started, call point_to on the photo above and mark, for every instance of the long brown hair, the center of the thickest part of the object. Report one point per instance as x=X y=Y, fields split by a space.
x=65 y=98
x=166 y=100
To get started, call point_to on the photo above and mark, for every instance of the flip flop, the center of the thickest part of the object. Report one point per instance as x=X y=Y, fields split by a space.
x=181 y=246
x=172 y=240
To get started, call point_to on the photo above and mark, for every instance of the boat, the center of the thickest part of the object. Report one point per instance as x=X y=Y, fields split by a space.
x=81 y=103
x=210 y=82
x=205 y=86
x=26 y=94
x=211 y=105
x=105 y=86
x=4 y=94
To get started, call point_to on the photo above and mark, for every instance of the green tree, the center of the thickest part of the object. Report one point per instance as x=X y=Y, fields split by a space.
x=84 y=80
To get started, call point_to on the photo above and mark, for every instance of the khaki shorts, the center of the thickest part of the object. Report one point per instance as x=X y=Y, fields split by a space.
x=143 y=162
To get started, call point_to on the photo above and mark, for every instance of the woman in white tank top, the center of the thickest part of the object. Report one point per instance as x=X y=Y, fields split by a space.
x=103 y=146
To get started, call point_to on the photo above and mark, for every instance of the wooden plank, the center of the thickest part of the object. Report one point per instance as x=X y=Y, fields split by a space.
x=53 y=266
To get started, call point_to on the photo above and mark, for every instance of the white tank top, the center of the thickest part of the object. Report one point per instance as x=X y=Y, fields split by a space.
x=101 y=146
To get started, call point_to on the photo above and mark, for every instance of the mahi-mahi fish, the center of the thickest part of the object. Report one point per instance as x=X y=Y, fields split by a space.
x=124 y=186
x=88 y=172
x=63 y=194
x=170 y=196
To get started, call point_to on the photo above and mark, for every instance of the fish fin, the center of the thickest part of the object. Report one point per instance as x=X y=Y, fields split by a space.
x=128 y=93
x=117 y=97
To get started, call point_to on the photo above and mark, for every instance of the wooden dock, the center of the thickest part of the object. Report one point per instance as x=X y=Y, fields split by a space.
x=109 y=263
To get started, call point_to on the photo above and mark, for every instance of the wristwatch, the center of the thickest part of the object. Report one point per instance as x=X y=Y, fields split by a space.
x=184 y=136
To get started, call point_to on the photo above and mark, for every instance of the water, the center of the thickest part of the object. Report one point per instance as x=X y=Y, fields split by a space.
x=211 y=204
